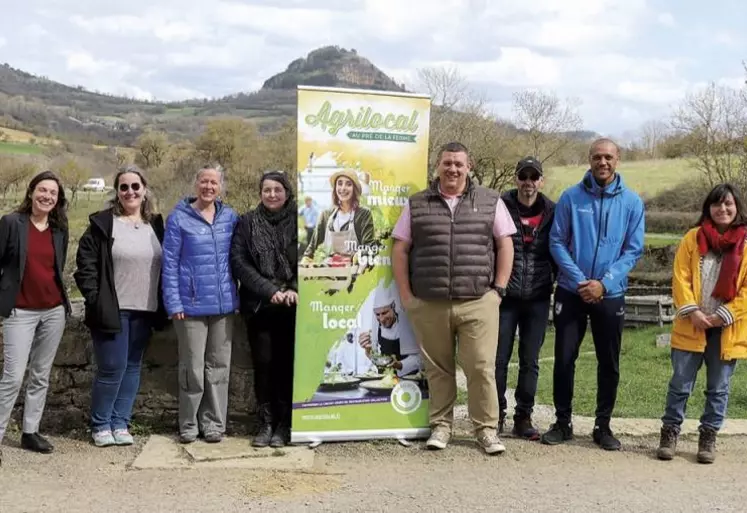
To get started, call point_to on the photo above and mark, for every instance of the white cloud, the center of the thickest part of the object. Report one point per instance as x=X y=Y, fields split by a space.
x=666 y=19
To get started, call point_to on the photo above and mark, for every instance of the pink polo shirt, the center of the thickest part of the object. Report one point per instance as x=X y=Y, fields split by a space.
x=503 y=225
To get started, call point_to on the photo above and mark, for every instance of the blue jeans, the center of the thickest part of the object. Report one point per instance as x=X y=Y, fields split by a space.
x=118 y=360
x=686 y=365
x=531 y=318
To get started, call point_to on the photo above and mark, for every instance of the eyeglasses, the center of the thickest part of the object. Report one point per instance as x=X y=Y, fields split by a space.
x=273 y=172
x=528 y=175
x=124 y=187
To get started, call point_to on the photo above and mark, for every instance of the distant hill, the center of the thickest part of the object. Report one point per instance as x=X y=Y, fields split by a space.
x=51 y=109
x=333 y=66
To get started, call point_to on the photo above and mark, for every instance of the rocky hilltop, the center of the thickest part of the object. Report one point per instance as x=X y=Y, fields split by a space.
x=333 y=66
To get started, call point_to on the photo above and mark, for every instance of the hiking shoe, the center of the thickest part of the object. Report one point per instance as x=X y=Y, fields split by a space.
x=489 y=442
x=439 y=439
x=706 y=445
x=187 y=438
x=667 y=442
x=604 y=438
x=122 y=437
x=523 y=428
x=558 y=433
x=213 y=437
x=36 y=443
x=103 y=438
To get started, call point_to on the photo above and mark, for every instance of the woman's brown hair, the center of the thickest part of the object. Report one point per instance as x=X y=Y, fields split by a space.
x=58 y=215
x=148 y=207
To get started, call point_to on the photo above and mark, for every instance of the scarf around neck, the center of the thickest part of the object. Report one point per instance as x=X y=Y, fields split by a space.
x=271 y=235
x=729 y=245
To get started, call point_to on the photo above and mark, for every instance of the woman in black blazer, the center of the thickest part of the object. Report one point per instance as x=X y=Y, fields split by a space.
x=33 y=300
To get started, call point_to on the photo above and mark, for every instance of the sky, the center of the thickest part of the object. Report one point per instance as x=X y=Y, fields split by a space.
x=625 y=61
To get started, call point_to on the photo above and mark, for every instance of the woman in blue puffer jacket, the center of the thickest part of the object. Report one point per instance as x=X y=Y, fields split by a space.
x=200 y=295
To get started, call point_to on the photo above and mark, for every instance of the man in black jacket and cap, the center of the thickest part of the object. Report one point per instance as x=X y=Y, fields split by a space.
x=527 y=302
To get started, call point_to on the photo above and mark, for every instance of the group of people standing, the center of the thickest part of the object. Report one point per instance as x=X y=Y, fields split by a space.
x=135 y=274
x=471 y=267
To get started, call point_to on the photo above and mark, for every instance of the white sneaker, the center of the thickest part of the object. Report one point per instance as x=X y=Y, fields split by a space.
x=440 y=438
x=123 y=437
x=103 y=438
x=489 y=441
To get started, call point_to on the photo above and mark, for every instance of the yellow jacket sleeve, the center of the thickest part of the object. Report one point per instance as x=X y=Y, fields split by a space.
x=683 y=291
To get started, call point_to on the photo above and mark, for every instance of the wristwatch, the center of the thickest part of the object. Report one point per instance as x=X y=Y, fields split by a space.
x=500 y=290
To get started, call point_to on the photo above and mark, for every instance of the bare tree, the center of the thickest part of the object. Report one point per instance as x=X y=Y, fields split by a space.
x=151 y=149
x=652 y=134
x=713 y=122
x=546 y=118
x=73 y=174
x=446 y=86
x=14 y=171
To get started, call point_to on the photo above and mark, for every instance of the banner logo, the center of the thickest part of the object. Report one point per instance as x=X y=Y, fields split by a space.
x=406 y=397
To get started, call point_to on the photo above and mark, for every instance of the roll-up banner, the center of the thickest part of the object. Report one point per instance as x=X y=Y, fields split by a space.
x=358 y=374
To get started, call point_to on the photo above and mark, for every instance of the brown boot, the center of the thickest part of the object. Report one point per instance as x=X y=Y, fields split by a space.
x=667 y=442
x=706 y=445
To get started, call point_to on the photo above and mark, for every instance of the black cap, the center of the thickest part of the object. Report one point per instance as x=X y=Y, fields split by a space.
x=531 y=163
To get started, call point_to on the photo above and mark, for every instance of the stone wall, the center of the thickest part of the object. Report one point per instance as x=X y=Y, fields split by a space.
x=69 y=395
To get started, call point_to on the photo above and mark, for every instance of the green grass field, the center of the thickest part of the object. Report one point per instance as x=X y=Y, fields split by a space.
x=645 y=371
x=20 y=148
x=646 y=177
x=660 y=240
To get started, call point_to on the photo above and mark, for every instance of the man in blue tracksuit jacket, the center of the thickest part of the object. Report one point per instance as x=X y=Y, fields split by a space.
x=596 y=240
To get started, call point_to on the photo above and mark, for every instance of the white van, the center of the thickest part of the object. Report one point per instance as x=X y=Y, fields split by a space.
x=95 y=184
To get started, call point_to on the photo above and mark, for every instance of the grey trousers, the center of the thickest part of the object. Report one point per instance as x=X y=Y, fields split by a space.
x=204 y=369
x=30 y=338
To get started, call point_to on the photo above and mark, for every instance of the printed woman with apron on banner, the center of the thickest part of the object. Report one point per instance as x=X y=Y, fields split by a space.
x=347 y=225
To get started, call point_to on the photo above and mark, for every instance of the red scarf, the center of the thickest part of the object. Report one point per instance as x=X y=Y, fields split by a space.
x=728 y=244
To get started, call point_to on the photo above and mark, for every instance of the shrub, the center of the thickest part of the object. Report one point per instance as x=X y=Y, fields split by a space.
x=670 y=222
x=684 y=197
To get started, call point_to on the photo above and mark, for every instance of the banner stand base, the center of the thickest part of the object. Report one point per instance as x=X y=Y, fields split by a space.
x=316 y=438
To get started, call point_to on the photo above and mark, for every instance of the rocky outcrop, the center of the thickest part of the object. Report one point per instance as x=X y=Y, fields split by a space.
x=332 y=66
x=69 y=395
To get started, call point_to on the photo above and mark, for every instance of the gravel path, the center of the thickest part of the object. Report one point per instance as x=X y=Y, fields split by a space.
x=383 y=476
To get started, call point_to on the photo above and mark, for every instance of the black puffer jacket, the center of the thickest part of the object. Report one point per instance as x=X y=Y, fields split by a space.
x=534 y=270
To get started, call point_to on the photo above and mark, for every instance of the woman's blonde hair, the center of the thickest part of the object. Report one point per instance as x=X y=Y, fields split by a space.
x=148 y=207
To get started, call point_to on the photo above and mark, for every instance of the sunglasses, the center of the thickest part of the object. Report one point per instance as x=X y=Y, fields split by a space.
x=124 y=187
x=528 y=175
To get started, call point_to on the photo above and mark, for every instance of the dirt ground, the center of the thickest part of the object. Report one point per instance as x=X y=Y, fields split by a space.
x=384 y=476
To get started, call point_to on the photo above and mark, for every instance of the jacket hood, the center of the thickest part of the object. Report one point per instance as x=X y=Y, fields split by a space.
x=592 y=187
x=103 y=221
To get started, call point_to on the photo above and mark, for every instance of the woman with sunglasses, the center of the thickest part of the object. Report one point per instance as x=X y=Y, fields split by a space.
x=118 y=273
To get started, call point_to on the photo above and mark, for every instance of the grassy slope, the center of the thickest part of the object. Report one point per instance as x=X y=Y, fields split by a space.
x=20 y=148
x=646 y=177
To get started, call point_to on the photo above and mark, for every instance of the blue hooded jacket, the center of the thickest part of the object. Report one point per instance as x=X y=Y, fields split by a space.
x=597 y=234
x=196 y=268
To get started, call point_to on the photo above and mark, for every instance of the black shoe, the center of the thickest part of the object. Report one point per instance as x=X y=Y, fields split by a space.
x=264 y=428
x=558 y=433
x=604 y=438
x=667 y=442
x=706 y=445
x=36 y=443
x=281 y=434
x=523 y=428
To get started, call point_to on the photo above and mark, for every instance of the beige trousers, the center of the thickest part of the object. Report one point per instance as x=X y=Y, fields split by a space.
x=467 y=330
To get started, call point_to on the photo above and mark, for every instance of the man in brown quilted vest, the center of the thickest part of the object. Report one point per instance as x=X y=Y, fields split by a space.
x=451 y=259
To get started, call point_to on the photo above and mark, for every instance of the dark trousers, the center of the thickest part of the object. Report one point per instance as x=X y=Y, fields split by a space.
x=271 y=333
x=570 y=317
x=531 y=318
